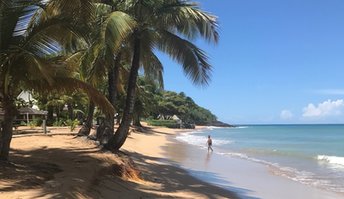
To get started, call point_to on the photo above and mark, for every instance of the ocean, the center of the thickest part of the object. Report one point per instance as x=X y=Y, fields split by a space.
x=308 y=154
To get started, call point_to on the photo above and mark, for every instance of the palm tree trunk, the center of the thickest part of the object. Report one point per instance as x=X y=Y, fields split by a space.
x=7 y=127
x=113 y=77
x=116 y=141
x=106 y=128
x=136 y=120
x=86 y=128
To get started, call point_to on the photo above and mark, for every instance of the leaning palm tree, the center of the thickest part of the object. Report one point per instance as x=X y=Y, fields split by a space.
x=102 y=60
x=165 y=25
x=33 y=35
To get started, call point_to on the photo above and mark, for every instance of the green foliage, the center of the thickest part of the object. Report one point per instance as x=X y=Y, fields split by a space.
x=171 y=103
x=35 y=122
x=59 y=123
x=72 y=124
x=154 y=103
x=166 y=123
x=32 y=124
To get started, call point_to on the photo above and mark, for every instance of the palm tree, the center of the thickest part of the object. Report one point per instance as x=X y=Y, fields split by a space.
x=165 y=25
x=103 y=58
x=146 y=98
x=32 y=40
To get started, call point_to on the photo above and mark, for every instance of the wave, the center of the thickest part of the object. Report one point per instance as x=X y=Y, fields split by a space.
x=304 y=177
x=193 y=139
x=213 y=127
x=333 y=160
x=241 y=127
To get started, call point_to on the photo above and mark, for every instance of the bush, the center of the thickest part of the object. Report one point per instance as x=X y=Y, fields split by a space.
x=58 y=123
x=35 y=122
x=166 y=123
x=72 y=124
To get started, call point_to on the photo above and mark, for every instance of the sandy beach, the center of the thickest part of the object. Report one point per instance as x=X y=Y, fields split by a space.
x=152 y=164
x=60 y=165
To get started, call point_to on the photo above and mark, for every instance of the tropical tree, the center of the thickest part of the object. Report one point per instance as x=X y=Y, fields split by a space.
x=33 y=37
x=111 y=52
x=168 y=26
x=102 y=60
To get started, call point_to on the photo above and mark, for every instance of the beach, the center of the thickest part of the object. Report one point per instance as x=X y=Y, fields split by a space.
x=61 y=165
x=151 y=164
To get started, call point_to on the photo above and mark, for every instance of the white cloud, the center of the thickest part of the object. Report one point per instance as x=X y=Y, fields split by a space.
x=286 y=115
x=324 y=109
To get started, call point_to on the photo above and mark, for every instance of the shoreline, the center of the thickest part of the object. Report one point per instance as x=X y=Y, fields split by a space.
x=254 y=179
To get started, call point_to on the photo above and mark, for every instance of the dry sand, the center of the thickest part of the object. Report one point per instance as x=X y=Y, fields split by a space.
x=60 y=165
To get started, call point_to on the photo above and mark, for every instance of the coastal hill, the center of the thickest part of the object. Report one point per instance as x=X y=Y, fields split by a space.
x=169 y=105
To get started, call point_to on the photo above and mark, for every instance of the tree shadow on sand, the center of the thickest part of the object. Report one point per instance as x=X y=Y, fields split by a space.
x=60 y=173
x=177 y=179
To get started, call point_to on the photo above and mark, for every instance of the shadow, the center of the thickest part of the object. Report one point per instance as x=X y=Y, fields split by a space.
x=147 y=130
x=176 y=179
x=40 y=169
x=58 y=172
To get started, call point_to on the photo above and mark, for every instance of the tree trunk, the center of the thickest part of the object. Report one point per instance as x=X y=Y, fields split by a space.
x=10 y=111
x=50 y=116
x=106 y=128
x=113 y=77
x=116 y=141
x=70 y=111
x=86 y=128
x=136 y=120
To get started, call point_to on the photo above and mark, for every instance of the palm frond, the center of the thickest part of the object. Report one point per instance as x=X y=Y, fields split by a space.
x=58 y=29
x=102 y=9
x=35 y=67
x=73 y=63
x=92 y=65
x=10 y=13
x=194 y=60
x=188 y=20
x=80 y=11
x=152 y=67
x=69 y=85
x=116 y=28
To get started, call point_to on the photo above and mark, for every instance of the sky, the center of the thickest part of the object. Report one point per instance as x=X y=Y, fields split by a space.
x=277 y=62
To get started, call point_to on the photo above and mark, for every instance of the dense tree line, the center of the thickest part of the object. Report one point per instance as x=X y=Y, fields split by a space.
x=169 y=103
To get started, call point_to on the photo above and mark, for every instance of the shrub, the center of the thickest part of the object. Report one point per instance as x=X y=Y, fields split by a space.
x=72 y=124
x=58 y=123
x=166 y=123
x=33 y=123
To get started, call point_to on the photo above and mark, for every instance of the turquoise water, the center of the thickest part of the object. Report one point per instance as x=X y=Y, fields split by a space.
x=309 y=154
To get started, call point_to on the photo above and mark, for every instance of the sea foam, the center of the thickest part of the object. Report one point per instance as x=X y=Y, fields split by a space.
x=294 y=174
x=333 y=160
x=197 y=140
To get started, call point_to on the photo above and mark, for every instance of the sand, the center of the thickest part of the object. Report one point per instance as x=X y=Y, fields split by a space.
x=60 y=165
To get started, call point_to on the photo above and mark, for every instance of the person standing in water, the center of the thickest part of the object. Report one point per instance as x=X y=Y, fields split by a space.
x=210 y=143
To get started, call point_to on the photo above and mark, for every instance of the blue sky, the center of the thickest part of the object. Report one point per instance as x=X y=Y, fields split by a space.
x=276 y=62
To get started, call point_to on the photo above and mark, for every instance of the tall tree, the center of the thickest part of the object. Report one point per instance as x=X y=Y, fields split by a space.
x=165 y=25
x=103 y=58
x=33 y=35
